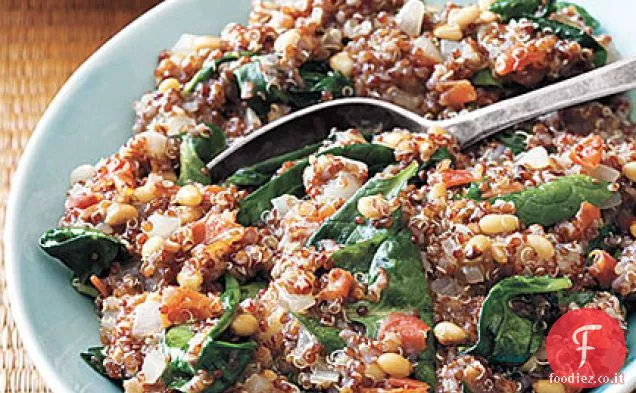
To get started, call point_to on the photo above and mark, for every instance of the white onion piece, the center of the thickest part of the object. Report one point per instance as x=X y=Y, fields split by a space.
x=185 y=44
x=535 y=158
x=447 y=47
x=473 y=274
x=147 y=319
x=163 y=226
x=431 y=52
x=153 y=367
x=133 y=386
x=257 y=383
x=156 y=143
x=295 y=303
x=613 y=201
x=82 y=173
x=324 y=376
x=410 y=17
x=342 y=187
x=304 y=343
x=251 y=119
x=284 y=203
x=606 y=173
x=179 y=123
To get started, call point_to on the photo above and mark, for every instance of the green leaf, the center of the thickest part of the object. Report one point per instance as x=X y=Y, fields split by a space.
x=580 y=298
x=440 y=155
x=598 y=243
x=208 y=70
x=259 y=174
x=196 y=151
x=504 y=336
x=229 y=358
x=328 y=336
x=474 y=191
x=84 y=251
x=95 y=357
x=179 y=336
x=558 y=200
x=251 y=290
x=511 y=9
x=407 y=292
x=290 y=182
x=357 y=257
x=485 y=78
x=588 y=19
x=85 y=289
x=514 y=140
x=342 y=226
x=567 y=32
x=230 y=299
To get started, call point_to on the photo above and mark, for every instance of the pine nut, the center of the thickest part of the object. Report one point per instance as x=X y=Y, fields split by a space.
x=373 y=207
x=245 y=325
x=374 y=372
x=152 y=246
x=542 y=246
x=448 y=32
x=342 y=63
x=120 y=213
x=289 y=38
x=493 y=224
x=395 y=365
x=629 y=170
x=145 y=193
x=448 y=333
x=207 y=42
x=479 y=242
x=169 y=84
x=189 y=195
x=463 y=17
x=545 y=386
x=437 y=192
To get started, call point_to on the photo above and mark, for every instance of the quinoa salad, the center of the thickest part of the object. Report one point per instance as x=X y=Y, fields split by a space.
x=375 y=261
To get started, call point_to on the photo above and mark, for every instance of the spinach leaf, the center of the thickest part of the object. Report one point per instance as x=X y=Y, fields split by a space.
x=251 y=290
x=318 y=79
x=179 y=336
x=511 y=9
x=440 y=155
x=407 y=292
x=327 y=335
x=485 y=78
x=599 y=241
x=230 y=299
x=342 y=226
x=357 y=257
x=558 y=200
x=513 y=139
x=84 y=289
x=196 y=151
x=84 y=251
x=208 y=70
x=175 y=344
x=504 y=336
x=229 y=358
x=567 y=32
x=474 y=191
x=588 y=19
x=375 y=156
x=580 y=298
x=94 y=357
x=259 y=174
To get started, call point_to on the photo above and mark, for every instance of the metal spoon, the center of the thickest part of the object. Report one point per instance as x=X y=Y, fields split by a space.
x=314 y=123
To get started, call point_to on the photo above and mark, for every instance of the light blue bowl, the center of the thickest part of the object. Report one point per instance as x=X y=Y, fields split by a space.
x=89 y=119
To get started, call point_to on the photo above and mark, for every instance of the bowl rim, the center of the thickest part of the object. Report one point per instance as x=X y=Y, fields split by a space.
x=15 y=301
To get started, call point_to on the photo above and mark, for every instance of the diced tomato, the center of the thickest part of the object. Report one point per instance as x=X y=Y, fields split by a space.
x=459 y=93
x=181 y=305
x=602 y=268
x=338 y=285
x=587 y=215
x=457 y=177
x=413 y=385
x=411 y=330
x=589 y=152
x=82 y=201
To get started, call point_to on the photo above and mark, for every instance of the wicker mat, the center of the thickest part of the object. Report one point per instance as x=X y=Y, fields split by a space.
x=41 y=43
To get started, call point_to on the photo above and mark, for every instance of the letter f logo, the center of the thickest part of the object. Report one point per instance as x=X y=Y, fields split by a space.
x=583 y=344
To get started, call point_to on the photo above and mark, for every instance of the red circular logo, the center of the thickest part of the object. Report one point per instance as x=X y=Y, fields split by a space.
x=586 y=348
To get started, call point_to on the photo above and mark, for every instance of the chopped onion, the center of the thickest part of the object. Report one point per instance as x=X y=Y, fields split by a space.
x=606 y=173
x=342 y=187
x=82 y=173
x=185 y=44
x=446 y=286
x=447 y=47
x=163 y=226
x=535 y=158
x=257 y=383
x=295 y=303
x=410 y=17
x=473 y=274
x=613 y=201
x=153 y=367
x=284 y=203
x=178 y=123
x=323 y=376
x=156 y=143
x=147 y=319
x=431 y=52
x=304 y=343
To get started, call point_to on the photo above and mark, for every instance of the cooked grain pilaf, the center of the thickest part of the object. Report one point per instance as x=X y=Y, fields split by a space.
x=303 y=319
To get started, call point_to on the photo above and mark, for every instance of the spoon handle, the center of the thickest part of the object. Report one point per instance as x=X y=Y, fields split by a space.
x=611 y=79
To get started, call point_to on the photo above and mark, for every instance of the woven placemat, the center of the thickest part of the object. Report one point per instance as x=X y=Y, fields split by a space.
x=41 y=43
